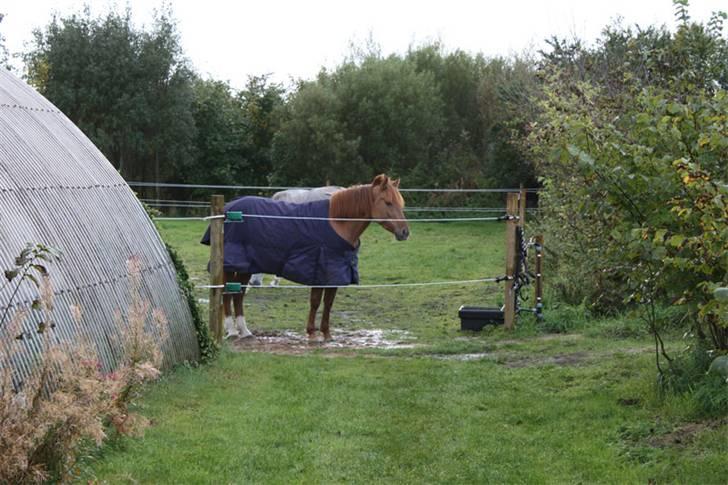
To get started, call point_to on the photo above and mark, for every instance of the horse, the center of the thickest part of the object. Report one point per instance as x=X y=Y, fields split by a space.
x=301 y=196
x=316 y=246
x=296 y=196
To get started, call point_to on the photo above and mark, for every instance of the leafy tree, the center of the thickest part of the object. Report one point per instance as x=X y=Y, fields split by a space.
x=394 y=110
x=633 y=155
x=458 y=76
x=312 y=146
x=234 y=132
x=222 y=140
x=457 y=156
x=128 y=89
x=486 y=106
x=436 y=118
x=506 y=96
x=261 y=101
x=368 y=116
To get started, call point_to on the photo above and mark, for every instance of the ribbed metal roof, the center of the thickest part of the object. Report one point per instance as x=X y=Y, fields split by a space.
x=57 y=188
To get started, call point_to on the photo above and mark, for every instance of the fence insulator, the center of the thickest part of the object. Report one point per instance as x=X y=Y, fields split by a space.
x=234 y=216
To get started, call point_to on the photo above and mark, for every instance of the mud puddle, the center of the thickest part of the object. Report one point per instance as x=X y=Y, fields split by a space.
x=465 y=357
x=289 y=342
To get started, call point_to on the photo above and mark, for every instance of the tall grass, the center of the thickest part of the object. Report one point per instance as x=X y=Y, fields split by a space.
x=68 y=399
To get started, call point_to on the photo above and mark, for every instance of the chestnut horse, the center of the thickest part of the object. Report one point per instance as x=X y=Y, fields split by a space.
x=379 y=200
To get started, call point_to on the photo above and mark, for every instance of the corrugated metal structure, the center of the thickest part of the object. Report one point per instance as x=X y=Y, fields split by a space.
x=58 y=189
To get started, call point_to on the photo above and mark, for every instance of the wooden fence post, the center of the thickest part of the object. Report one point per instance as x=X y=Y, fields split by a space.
x=539 y=275
x=216 y=265
x=522 y=208
x=512 y=209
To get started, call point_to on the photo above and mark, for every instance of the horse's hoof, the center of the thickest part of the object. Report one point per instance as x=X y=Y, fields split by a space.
x=328 y=337
x=244 y=333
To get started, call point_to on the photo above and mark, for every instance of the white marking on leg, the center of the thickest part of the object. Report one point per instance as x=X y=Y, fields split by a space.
x=242 y=327
x=230 y=330
x=256 y=279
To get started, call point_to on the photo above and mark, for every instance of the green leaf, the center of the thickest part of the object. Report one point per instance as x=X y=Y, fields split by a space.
x=10 y=274
x=721 y=294
x=676 y=240
x=40 y=269
x=674 y=108
x=33 y=279
x=583 y=157
x=36 y=304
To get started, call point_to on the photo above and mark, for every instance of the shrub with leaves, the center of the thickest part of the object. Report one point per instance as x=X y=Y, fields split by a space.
x=208 y=347
x=634 y=165
x=67 y=398
x=31 y=266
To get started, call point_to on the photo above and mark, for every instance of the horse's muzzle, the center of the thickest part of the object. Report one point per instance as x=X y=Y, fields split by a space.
x=402 y=234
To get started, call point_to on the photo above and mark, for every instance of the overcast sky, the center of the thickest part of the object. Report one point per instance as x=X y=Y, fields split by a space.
x=231 y=40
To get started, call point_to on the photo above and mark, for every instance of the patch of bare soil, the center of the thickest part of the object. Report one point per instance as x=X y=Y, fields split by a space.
x=542 y=338
x=562 y=360
x=519 y=360
x=467 y=357
x=685 y=434
x=293 y=343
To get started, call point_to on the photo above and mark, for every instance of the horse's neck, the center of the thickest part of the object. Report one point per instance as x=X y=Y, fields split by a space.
x=355 y=202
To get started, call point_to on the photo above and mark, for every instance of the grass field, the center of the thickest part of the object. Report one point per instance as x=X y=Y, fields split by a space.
x=450 y=407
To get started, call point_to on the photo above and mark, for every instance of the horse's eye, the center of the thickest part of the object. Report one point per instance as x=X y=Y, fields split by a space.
x=389 y=204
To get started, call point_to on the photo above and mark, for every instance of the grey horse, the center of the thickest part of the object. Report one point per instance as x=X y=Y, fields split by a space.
x=296 y=196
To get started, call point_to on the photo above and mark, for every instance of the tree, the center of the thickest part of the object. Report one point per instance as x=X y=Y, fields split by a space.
x=261 y=102
x=223 y=141
x=312 y=147
x=368 y=116
x=129 y=90
x=486 y=106
x=633 y=155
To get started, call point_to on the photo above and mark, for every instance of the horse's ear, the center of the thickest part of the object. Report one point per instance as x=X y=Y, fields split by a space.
x=380 y=179
x=395 y=183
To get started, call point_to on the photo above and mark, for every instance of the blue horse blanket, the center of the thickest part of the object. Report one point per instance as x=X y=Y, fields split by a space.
x=308 y=252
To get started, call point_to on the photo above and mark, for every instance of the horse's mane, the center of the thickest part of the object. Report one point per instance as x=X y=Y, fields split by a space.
x=355 y=201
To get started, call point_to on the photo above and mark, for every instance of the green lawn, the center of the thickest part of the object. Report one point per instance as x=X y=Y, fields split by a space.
x=529 y=408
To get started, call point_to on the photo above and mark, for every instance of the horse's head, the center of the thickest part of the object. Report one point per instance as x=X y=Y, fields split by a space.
x=389 y=204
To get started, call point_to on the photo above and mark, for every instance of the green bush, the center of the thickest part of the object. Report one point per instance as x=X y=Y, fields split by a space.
x=711 y=395
x=208 y=348
x=636 y=207
x=688 y=374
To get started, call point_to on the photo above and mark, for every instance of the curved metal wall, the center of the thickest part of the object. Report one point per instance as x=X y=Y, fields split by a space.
x=57 y=188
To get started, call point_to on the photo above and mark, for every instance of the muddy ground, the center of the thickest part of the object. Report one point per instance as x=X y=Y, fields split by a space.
x=346 y=342
x=293 y=343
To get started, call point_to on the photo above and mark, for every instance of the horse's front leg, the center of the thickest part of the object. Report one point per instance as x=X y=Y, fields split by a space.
x=329 y=296
x=314 y=302
x=240 y=325
x=227 y=304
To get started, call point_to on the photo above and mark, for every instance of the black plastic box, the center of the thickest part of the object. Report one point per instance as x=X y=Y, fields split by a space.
x=475 y=318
